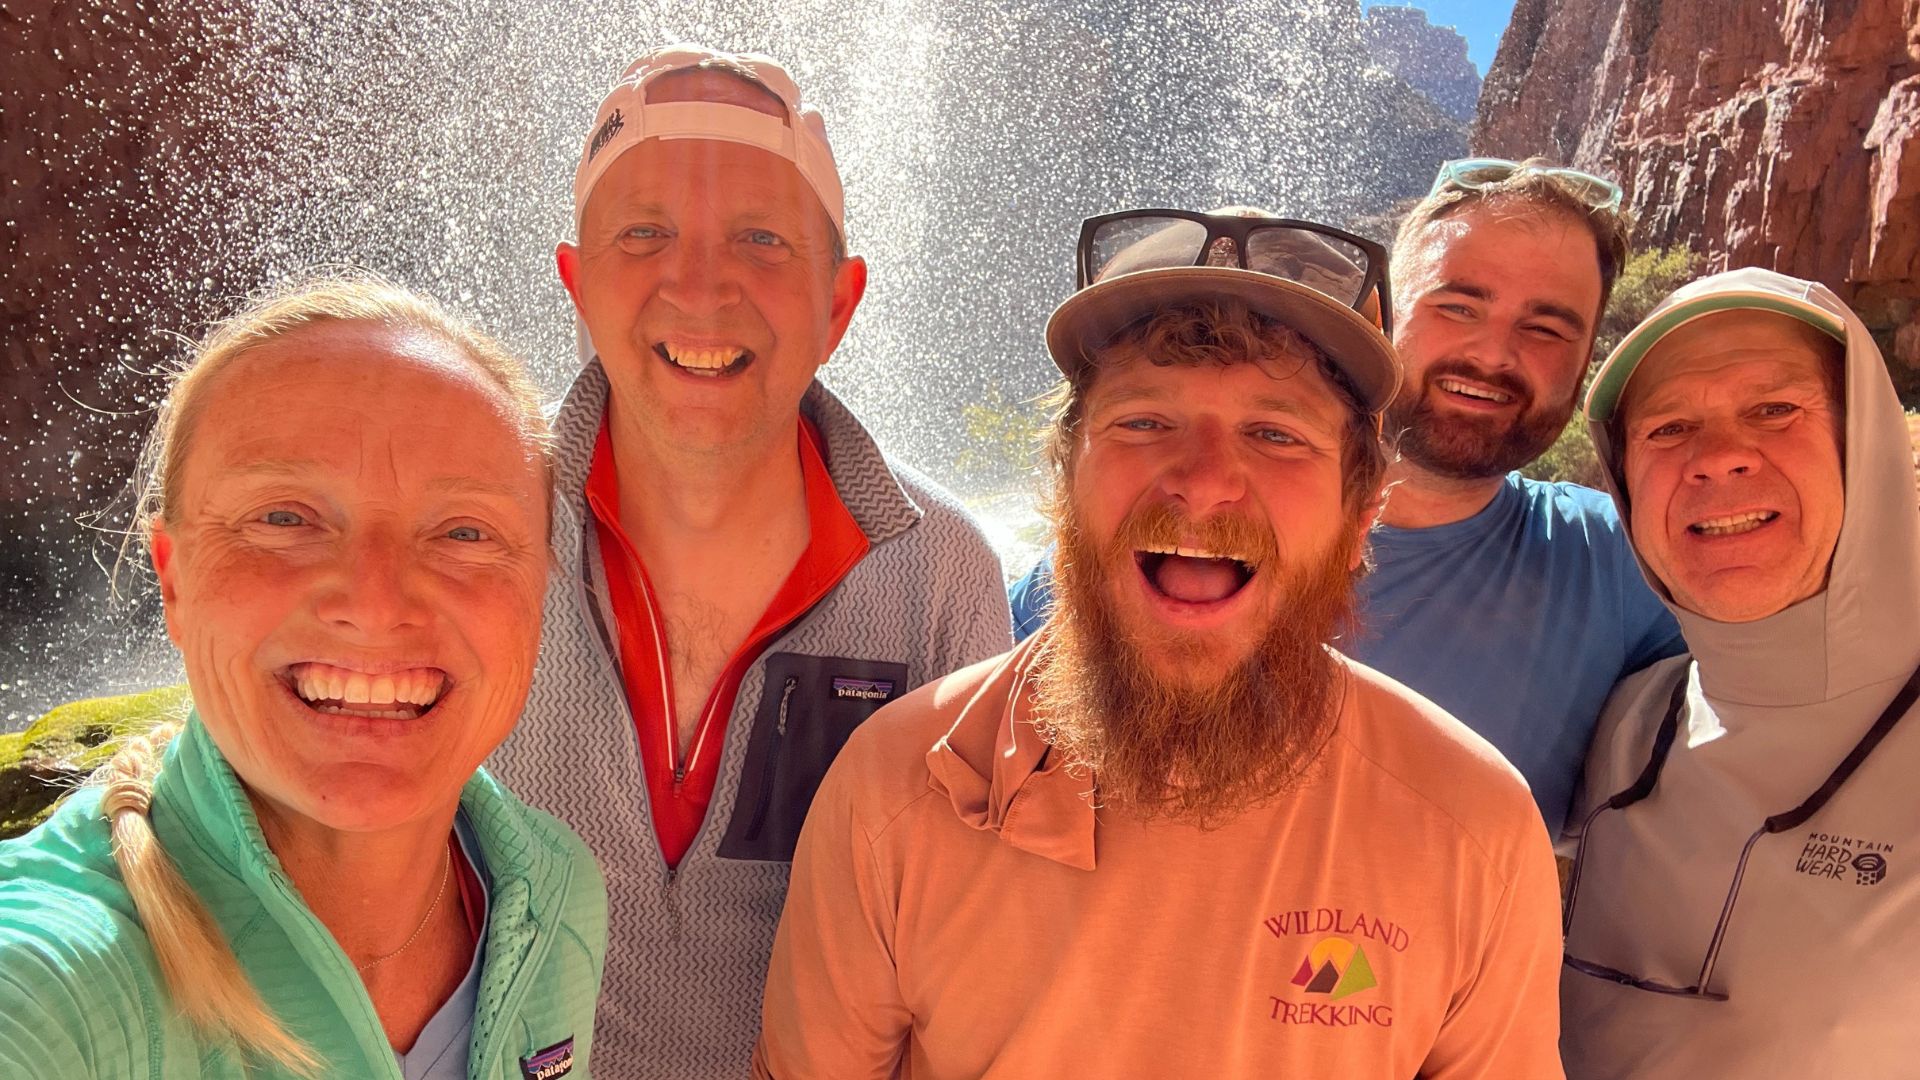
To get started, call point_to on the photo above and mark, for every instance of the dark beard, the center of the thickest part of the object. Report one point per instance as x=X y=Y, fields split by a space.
x=1467 y=448
x=1194 y=751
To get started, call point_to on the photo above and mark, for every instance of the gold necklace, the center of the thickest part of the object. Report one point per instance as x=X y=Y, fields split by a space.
x=446 y=869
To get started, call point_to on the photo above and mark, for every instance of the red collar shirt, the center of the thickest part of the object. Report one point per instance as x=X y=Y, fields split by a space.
x=679 y=787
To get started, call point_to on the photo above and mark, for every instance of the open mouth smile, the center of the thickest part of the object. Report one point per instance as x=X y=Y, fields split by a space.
x=407 y=694
x=1733 y=524
x=1473 y=390
x=1189 y=575
x=705 y=361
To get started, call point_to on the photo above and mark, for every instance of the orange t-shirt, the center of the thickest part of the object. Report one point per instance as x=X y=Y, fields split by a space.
x=959 y=909
x=680 y=787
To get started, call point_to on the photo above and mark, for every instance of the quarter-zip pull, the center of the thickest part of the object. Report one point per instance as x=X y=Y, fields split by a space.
x=786 y=695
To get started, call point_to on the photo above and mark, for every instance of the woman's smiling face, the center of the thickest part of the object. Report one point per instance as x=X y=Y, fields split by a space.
x=352 y=566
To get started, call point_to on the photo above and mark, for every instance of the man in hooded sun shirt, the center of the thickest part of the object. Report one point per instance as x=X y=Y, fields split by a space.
x=742 y=577
x=1744 y=901
x=1175 y=833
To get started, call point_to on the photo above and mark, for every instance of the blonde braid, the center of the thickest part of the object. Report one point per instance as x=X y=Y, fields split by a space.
x=201 y=972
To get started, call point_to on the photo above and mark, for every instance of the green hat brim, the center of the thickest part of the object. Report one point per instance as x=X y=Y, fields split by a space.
x=1604 y=397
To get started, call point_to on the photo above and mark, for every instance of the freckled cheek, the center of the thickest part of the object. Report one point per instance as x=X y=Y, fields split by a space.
x=1104 y=490
x=1426 y=340
x=505 y=639
x=499 y=706
x=499 y=612
x=1653 y=516
x=231 y=598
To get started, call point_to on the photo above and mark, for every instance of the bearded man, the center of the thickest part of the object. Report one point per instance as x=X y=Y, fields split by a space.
x=1499 y=278
x=1176 y=832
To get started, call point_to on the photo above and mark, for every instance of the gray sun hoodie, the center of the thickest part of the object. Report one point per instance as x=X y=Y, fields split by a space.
x=1820 y=960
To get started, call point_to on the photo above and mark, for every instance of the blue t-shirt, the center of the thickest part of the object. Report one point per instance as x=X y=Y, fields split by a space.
x=1518 y=620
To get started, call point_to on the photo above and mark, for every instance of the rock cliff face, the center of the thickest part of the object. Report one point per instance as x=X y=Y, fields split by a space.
x=110 y=214
x=1778 y=133
x=1432 y=59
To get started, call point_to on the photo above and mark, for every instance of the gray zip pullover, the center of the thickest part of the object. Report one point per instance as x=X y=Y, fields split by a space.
x=687 y=951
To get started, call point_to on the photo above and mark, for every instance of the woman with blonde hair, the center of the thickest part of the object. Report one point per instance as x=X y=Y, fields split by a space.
x=309 y=876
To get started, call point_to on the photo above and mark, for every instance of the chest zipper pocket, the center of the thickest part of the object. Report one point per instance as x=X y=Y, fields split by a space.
x=772 y=766
x=809 y=708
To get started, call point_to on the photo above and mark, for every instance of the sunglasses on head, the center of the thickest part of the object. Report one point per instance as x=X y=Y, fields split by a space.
x=1474 y=174
x=1350 y=269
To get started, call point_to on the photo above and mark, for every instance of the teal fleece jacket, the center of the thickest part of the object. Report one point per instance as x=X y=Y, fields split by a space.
x=81 y=994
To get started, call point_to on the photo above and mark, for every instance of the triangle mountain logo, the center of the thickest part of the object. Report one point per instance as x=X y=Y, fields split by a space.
x=1336 y=967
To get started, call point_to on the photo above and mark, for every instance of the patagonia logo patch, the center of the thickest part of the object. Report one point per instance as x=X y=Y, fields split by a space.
x=614 y=125
x=549 y=1064
x=863 y=689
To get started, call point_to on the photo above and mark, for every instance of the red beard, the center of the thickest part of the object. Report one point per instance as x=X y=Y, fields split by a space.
x=1193 y=749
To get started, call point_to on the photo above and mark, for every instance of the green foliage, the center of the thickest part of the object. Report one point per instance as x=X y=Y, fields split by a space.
x=41 y=764
x=1001 y=437
x=1644 y=281
x=1571 y=457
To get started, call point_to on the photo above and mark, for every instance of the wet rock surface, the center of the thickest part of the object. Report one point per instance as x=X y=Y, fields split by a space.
x=1776 y=133
x=40 y=765
x=117 y=236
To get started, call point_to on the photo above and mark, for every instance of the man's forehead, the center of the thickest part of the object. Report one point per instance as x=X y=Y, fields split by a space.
x=1484 y=236
x=659 y=174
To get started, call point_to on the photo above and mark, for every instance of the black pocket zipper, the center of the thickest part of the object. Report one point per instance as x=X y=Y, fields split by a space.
x=770 y=767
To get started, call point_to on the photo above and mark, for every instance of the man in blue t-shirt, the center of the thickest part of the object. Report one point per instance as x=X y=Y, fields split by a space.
x=1512 y=603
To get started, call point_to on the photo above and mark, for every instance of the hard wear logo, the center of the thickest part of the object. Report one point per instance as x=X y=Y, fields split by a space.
x=1843 y=858
x=1870 y=868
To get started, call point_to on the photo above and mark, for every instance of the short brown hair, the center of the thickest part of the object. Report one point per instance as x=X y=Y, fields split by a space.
x=1216 y=333
x=1532 y=185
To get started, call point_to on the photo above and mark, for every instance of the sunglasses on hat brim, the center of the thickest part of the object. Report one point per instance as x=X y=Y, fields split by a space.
x=1351 y=269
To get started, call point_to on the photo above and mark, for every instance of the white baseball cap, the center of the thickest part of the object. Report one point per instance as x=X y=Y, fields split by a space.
x=626 y=118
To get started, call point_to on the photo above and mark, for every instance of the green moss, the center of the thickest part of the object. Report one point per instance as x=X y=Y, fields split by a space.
x=41 y=764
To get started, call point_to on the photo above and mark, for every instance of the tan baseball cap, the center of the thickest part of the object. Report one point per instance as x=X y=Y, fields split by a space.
x=626 y=118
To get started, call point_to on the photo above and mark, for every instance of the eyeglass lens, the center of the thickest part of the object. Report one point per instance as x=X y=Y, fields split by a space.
x=1321 y=262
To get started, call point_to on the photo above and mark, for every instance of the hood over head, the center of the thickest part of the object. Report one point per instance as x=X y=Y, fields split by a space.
x=1864 y=627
